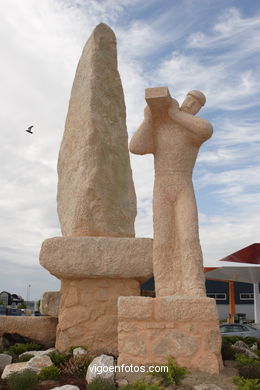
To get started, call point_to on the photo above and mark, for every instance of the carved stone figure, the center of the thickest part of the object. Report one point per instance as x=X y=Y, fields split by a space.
x=174 y=135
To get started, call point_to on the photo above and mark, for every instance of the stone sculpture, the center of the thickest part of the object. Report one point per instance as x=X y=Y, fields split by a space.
x=181 y=321
x=96 y=195
x=98 y=259
x=174 y=136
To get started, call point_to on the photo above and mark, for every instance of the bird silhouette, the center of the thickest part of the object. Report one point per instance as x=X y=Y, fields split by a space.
x=29 y=130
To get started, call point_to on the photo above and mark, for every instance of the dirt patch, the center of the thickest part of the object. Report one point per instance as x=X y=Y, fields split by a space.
x=223 y=379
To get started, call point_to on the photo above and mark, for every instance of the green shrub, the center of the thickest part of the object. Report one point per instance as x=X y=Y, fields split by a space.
x=77 y=365
x=25 y=358
x=227 y=352
x=141 y=386
x=233 y=339
x=18 y=349
x=49 y=373
x=250 y=341
x=101 y=384
x=57 y=358
x=246 y=384
x=22 y=380
x=230 y=339
x=171 y=374
x=248 y=367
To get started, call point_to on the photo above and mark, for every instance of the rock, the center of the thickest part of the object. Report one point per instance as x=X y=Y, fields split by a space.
x=122 y=382
x=39 y=362
x=205 y=386
x=96 y=195
x=14 y=367
x=38 y=353
x=66 y=387
x=79 y=351
x=241 y=347
x=98 y=257
x=102 y=366
x=50 y=303
x=5 y=359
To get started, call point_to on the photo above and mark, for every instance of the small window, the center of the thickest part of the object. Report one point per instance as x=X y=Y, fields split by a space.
x=218 y=296
x=246 y=296
x=237 y=328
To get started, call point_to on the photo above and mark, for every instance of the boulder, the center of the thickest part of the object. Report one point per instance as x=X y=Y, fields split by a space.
x=66 y=387
x=39 y=362
x=241 y=347
x=122 y=382
x=38 y=353
x=14 y=367
x=79 y=351
x=5 y=359
x=50 y=303
x=96 y=195
x=102 y=366
x=204 y=386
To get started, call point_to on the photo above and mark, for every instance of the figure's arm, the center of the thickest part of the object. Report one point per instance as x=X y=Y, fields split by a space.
x=142 y=141
x=200 y=128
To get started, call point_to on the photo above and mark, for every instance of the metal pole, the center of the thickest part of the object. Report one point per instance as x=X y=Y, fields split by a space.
x=256 y=303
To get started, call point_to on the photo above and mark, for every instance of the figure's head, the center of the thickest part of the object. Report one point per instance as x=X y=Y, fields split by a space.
x=193 y=102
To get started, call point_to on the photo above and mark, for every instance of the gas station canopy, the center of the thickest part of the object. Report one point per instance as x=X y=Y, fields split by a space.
x=237 y=274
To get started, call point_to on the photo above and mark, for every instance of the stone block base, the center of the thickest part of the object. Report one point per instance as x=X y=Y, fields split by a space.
x=39 y=329
x=151 y=329
x=88 y=313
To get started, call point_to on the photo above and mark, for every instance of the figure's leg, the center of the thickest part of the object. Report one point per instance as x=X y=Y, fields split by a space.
x=166 y=276
x=193 y=280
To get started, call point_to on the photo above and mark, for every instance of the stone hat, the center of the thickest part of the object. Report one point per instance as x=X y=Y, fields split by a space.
x=198 y=95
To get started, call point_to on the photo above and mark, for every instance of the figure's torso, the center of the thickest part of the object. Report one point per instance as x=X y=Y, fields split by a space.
x=175 y=148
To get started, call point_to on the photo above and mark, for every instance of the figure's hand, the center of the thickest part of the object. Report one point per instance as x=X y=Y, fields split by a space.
x=174 y=108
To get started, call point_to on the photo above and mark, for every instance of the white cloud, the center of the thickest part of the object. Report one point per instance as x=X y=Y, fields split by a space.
x=226 y=234
x=230 y=29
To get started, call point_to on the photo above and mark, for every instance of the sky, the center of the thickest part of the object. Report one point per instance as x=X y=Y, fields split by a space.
x=212 y=46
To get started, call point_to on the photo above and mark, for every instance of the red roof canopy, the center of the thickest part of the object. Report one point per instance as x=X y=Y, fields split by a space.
x=249 y=254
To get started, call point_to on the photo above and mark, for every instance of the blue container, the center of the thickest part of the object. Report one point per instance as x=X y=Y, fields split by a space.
x=2 y=311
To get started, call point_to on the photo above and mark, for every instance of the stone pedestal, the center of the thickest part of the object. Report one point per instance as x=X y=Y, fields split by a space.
x=94 y=272
x=151 y=329
x=88 y=313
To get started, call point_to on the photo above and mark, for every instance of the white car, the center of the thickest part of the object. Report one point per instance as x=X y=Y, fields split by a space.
x=242 y=330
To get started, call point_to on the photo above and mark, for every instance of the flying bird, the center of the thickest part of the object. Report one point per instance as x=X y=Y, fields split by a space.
x=29 y=130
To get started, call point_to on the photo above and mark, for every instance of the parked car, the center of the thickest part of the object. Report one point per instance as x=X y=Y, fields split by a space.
x=242 y=330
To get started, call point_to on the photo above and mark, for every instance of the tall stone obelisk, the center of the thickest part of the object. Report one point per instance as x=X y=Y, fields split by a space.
x=96 y=195
x=97 y=259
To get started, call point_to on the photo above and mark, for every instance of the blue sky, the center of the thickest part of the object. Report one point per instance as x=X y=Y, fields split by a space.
x=212 y=46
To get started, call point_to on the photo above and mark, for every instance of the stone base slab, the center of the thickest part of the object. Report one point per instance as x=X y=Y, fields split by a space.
x=152 y=329
x=98 y=257
x=39 y=329
x=88 y=313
